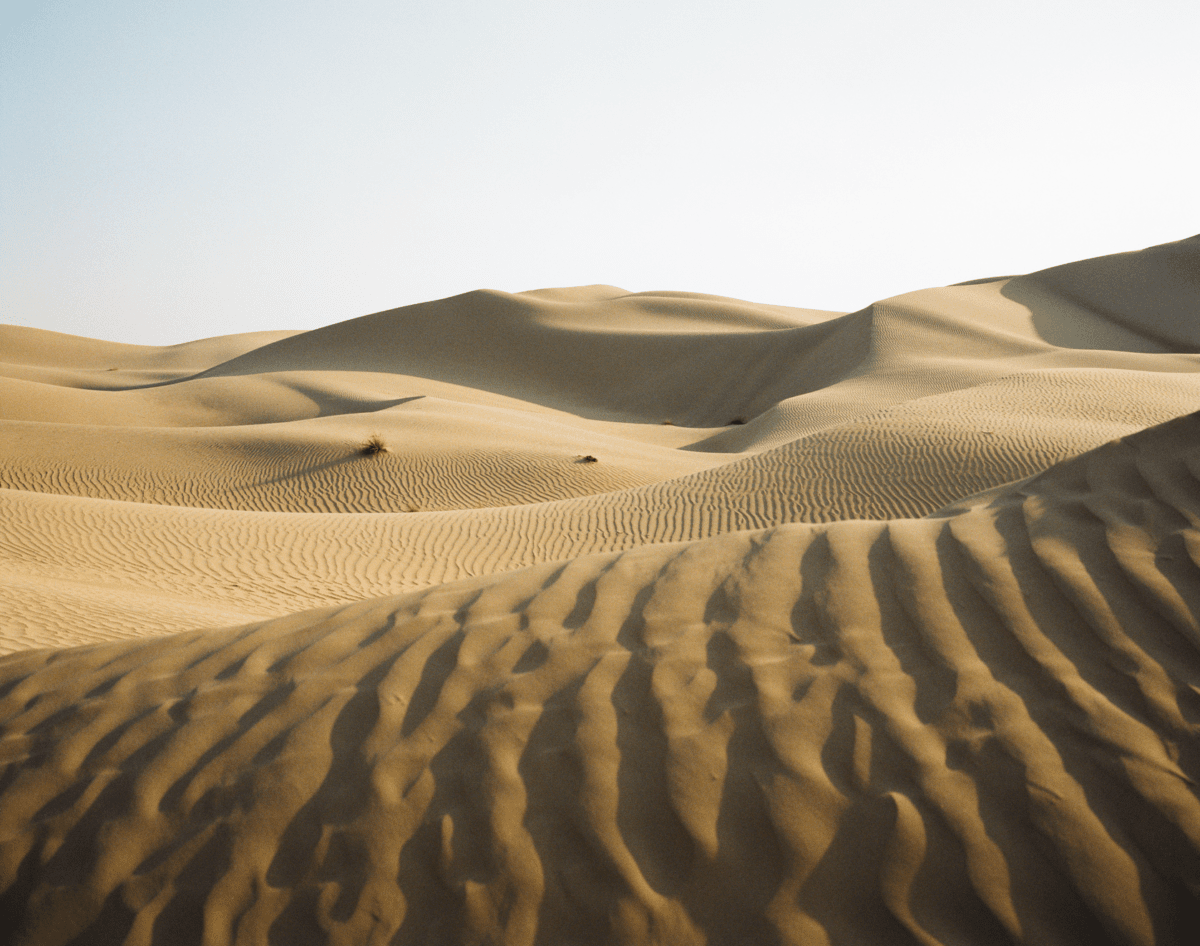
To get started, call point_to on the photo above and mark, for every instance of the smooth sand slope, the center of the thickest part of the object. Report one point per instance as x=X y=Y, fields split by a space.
x=152 y=490
x=780 y=681
x=971 y=728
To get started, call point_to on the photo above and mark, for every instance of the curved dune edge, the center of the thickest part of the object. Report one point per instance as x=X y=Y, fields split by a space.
x=76 y=570
x=978 y=727
x=151 y=490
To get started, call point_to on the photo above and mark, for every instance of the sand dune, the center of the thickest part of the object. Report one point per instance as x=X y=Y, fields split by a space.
x=488 y=404
x=854 y=628
x=956 y=729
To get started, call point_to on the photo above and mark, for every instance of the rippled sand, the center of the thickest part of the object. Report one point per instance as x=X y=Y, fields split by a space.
x=660 y=618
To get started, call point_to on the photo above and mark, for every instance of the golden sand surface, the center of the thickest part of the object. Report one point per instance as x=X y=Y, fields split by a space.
x=649 y=618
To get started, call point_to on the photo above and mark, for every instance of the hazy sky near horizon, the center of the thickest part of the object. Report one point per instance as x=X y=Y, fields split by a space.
x=171 y=171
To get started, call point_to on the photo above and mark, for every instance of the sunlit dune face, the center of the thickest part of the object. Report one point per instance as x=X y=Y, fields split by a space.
x=585 y=616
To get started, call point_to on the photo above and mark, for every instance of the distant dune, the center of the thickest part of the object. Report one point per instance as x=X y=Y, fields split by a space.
x=655 y=618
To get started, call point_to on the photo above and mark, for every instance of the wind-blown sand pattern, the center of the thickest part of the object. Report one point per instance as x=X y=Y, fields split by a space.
x=911 y=655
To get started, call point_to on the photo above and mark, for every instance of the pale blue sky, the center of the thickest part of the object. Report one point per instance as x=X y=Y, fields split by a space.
x=175 y=170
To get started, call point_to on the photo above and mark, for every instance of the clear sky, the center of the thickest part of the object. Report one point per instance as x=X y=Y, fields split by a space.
x=170 y=171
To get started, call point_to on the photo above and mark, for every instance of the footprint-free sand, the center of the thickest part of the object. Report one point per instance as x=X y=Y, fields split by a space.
x=651 y=618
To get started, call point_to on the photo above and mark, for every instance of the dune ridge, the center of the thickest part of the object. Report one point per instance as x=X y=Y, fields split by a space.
x=659 y=619
x=489 y=403
x=970 y=728
x=906 y=461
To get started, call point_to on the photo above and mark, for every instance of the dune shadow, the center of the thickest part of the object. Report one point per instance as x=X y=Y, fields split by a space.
x=1083 y=324
x=1009 y=779
x=363 y=454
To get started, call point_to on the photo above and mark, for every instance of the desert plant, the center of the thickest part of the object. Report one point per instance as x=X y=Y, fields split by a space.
x=373 y=446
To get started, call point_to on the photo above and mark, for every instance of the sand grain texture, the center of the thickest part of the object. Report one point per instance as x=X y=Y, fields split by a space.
x=912 y=655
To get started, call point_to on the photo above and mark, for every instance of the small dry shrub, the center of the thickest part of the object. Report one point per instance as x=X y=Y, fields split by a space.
x=373 y=446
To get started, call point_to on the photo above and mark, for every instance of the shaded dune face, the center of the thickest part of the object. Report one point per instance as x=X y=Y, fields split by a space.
x=659 y=618
x=153 y=490
x=977 y=727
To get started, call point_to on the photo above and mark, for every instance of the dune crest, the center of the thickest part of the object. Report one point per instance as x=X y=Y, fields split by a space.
x=651 y=618
x=972 y=728
x=704 y=415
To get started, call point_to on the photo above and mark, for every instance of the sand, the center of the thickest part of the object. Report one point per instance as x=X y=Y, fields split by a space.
x=659 y=619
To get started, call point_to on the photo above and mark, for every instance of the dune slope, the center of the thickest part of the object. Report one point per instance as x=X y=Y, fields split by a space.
x=699 y=415
x=978 y=727
x=658 y=619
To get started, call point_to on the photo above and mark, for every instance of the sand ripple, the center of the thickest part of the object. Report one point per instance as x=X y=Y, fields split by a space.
x=663 y=619
x=976 y=728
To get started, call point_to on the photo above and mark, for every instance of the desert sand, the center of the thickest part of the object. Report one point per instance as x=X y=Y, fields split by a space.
x=650 y=618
